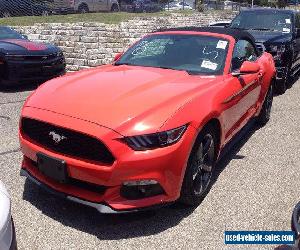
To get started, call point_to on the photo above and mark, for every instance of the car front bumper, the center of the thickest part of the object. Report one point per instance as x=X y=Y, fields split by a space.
x=164 y=165
x=22 y=72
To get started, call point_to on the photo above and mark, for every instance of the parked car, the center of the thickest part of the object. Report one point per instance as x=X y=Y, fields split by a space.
x=84 y=6
x=178 y=6
x=24 y=61
x=61 y=6
x=7 y=229
x=140 y=6
x=148 y=129
x=276 y=31
x=10 y=8
x=296 y=224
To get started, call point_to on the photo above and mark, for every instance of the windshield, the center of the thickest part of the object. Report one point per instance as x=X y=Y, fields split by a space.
x=263 y=21
x=196 y=54
x=8 y=33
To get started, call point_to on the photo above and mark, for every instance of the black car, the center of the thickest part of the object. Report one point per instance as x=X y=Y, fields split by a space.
x=23 y=8
x=23 y=61
x=276 y=31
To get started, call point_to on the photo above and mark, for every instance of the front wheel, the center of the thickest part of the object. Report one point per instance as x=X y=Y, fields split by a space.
x=265 y=113
x=115 y=8
x=197 y=179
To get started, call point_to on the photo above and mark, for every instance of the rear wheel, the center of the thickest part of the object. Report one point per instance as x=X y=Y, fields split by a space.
x=201 y=163
x=83 y=9
x=265 y=113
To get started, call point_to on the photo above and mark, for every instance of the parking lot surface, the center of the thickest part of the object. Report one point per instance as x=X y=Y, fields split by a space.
x=256 y=189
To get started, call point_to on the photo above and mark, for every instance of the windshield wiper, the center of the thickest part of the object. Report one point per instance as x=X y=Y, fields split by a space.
x=193 y=72
x=118 y=64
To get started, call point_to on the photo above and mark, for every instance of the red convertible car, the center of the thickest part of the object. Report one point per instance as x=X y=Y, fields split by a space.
x=148 y=129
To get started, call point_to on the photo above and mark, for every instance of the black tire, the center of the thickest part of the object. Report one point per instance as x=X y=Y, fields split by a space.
x=115 y=8
x=200 y=168
x=281 y=85
x=265 y=113
x=83 y=8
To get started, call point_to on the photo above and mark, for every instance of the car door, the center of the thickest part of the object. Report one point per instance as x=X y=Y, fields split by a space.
x=101 y=5
x=242 y=91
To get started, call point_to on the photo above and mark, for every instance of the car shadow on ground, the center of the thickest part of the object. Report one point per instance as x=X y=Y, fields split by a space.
x=18 y=88
x=294 y=79
x=122 y=226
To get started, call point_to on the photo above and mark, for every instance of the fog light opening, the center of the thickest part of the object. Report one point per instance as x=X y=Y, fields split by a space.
x=133 y=190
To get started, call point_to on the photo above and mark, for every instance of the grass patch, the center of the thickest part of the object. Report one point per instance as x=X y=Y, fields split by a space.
x=109 y=18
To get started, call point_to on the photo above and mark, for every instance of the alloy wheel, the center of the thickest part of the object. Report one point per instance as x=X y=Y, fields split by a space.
x=203 y=164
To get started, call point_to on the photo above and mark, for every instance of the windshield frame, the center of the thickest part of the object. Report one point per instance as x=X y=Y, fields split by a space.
x=290 y=14
x=221 y=71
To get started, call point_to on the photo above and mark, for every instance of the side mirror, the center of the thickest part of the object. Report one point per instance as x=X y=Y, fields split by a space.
x=247 y=68
x=25 y=37
x=117 y=56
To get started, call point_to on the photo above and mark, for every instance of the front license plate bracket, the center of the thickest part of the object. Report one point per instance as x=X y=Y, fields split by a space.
x=53 y=168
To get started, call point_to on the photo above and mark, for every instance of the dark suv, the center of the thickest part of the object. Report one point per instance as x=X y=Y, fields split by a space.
x=276 y=31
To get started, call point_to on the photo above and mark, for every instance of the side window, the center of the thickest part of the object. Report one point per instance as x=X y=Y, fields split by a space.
x=243 y=51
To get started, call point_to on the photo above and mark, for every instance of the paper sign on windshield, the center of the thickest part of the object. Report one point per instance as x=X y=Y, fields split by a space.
x=222 y=44
x=209 y=65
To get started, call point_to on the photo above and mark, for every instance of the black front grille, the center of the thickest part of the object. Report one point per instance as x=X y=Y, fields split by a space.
x=39 y=58
x=66 y=141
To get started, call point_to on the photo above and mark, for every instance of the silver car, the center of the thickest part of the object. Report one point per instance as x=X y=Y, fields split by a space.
x=7 y=230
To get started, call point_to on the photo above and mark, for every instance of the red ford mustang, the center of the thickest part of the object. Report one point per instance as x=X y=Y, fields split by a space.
x=148 y=129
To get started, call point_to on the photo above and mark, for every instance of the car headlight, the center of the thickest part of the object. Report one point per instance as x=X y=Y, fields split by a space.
x=156 y=140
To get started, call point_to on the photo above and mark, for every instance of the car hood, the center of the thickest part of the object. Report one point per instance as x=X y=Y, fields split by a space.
x=120 y=97
x=23 y=46
x=270 y=37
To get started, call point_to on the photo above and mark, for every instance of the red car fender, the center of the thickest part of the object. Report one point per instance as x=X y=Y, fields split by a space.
x=268 y=71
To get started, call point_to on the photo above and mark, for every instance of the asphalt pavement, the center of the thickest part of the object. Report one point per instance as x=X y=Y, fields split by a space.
x=256 y=189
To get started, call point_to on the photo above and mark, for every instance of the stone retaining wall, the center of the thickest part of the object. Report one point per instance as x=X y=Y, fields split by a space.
x=92 y=44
